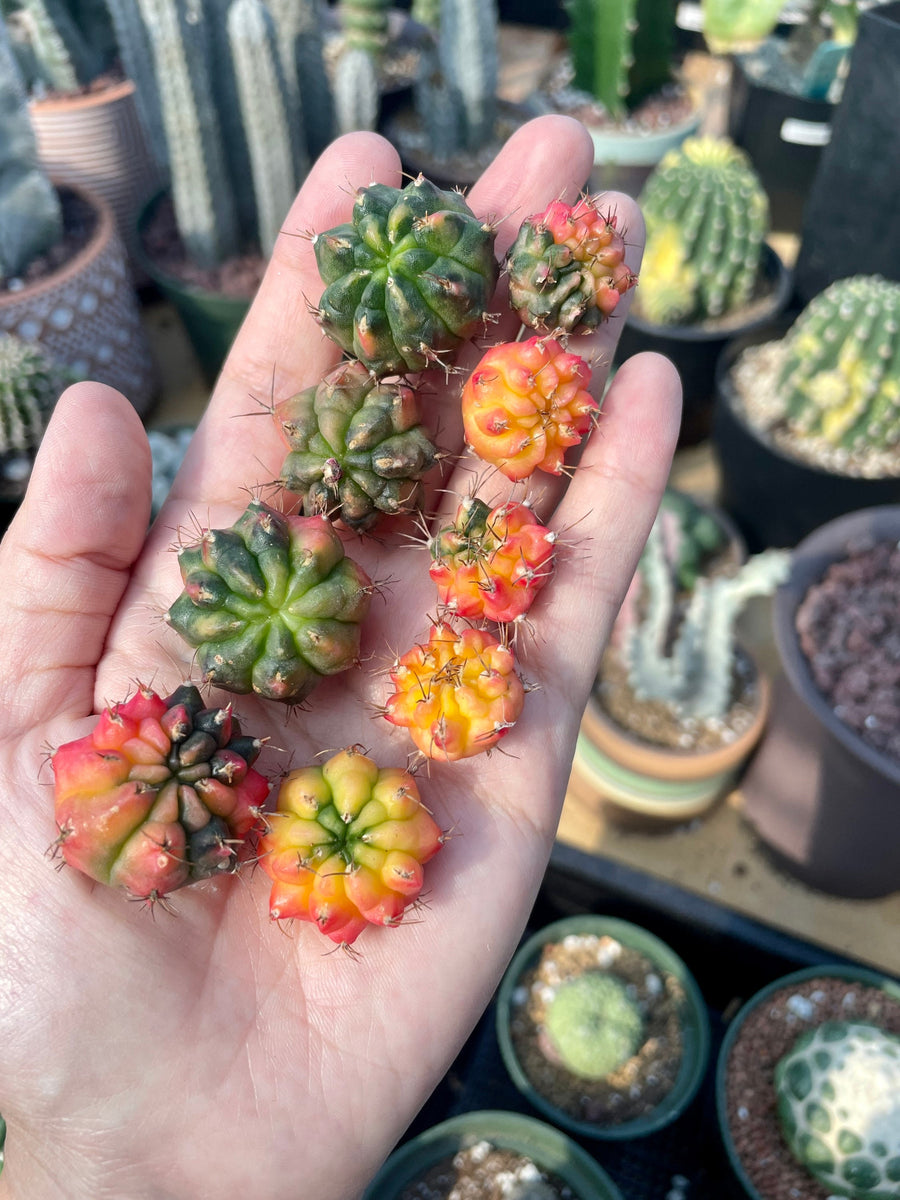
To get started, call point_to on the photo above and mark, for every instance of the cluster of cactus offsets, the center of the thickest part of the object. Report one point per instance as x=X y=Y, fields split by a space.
x=160 y=794
x=567 y=268
x=525 y=404
x=839 y=379
x=458 y=693
x=707 y=217
x=593 y=1024
x=408 y=278
x=490 y=563
x=272 y=604
x=357 y=446
x=346 y=846
x=838 y=1095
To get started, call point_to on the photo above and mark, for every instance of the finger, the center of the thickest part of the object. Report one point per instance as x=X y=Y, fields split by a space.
x=66 y=558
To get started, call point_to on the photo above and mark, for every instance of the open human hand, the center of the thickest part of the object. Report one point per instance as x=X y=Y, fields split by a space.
x=211 y=1053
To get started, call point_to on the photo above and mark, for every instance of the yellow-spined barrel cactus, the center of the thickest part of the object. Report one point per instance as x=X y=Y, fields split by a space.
x=29 y=387
x=707 y=218
x=838 y=1093
x=272 y=604
x=358 y=448
x=408 y=278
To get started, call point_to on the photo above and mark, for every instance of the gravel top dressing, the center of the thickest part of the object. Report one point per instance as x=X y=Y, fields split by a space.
x=484 y=1172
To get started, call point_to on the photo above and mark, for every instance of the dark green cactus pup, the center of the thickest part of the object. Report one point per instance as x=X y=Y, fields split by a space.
x=838 y=1094
x=593 y=1024
x=408 y=278
x=357 y=446
x=272 y=604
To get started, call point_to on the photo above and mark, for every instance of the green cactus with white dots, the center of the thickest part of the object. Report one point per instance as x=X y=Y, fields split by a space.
x=838 y=1097
x=707 y=218
x=593 y=1024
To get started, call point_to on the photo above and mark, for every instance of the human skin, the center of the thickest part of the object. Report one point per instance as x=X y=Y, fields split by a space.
x=210 y=1053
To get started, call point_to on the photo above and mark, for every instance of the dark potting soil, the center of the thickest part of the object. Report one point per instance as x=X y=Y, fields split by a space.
x=849 y=630
x=635 y=1088
x=766 y=1035
x=79 y=225
x=484 y=1172
x=238 y=277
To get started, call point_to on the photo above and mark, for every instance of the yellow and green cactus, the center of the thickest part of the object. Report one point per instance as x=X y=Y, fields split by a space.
x=707 y=218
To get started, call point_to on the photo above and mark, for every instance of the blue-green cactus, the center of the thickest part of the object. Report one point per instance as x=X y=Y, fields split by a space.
x=593 y=1024
x=838 y=1096
x=456 y=94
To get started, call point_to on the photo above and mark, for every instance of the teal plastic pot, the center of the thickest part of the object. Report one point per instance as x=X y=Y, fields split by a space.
x=848 y=971
x=695 y=1026
x=547 y=1148
x=210 y=319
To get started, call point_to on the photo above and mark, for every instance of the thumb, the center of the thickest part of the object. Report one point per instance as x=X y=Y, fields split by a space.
x=67 y=556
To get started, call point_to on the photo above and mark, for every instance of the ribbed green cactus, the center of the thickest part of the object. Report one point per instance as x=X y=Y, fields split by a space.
x=456 y=94
x=356 y=90
x=29 y=387
x=137 y=62
x=839 y=379
x=838 y=1095
x=299 y=25
x=365 y=24
x=622 y=50
x=693 y=672
x=707 y=217
x=593 y=1024
x=692 y=536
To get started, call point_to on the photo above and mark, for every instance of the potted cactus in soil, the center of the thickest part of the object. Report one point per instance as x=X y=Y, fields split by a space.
x=488 y=1154
x=708 y=273
x=64 y=281
x=806 y=422
x=824 y=790
x=808 y=1087
x=677 y=707
x=602 y=1028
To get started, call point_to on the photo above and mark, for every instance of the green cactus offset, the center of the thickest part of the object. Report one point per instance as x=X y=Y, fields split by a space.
x=593 y=1024
x=693 y=536
x=707 y=218
x=29 y=387
x=838 y=1097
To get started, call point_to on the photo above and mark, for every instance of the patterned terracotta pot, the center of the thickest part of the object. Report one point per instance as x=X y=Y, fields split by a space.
x=96 y=141
x=86 y=314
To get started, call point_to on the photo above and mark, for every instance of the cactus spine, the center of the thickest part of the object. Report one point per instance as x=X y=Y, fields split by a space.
x=707 y=217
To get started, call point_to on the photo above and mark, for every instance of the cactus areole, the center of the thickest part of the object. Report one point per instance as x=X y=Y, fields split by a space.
x=346 y=846
x=408 y=278
x=272 y=604
x=159 y=794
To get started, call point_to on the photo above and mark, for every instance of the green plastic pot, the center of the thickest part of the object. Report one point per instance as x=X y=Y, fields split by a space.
x=695 y=1026
x=548 y=1148
x=210 y=319
x=849 y=971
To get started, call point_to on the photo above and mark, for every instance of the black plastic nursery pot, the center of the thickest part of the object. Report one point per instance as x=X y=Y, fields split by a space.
x=549 y=1149
x=824 y=801
x=776 y=499
x=694 y=1025
x=695 y=349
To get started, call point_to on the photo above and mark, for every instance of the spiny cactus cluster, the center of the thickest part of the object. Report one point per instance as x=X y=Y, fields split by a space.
x=356 y=88
x=29 y=387
x=707 y=217
x=593 y=1024
x=838 y=1095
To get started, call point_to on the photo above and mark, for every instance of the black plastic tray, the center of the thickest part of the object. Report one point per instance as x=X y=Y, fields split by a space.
x=731 y=957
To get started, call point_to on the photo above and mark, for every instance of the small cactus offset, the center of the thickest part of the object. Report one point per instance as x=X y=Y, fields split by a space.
x=838 y=1096
x=839 y=377
x=29 y=387
x=707 y=218
x=365 y=24
x=593 y=1024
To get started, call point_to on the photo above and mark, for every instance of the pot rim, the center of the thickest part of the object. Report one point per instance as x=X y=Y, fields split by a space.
x=696 y=1025
x=829 y=543
x=73 y=103
x=772 y=266
x=99 y=240
x=858 y=973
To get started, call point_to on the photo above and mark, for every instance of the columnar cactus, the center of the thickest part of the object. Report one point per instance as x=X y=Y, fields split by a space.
x=356 y=90
x=838 y=1095
x=365 y=24
x=707 y=217
x=839 y=374
x=456 y=95
x=299 y=25
x=593 y=1025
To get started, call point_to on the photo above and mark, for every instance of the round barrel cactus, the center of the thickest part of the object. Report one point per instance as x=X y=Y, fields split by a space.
x=272 y=604
x=408 y=278
x=838 y=1094
x=358 y=448
x=707 y=217
x=593 y=1024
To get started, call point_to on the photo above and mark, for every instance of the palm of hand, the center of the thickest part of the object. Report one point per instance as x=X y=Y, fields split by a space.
x=208 y=1053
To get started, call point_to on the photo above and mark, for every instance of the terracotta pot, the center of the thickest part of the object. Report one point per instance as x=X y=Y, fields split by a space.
x=825 y=801
x=96 y=141
x=86 y=314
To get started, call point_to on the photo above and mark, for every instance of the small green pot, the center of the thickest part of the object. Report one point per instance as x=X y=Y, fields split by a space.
x=548 y=1148
x=695 y=1026
x=856 y=974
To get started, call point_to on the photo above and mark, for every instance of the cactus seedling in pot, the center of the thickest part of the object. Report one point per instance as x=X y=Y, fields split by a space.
x=29 y=387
